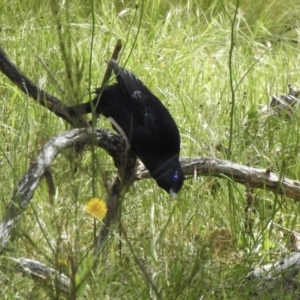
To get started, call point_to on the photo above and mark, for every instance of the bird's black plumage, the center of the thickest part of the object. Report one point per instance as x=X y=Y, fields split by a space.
x=149 y=127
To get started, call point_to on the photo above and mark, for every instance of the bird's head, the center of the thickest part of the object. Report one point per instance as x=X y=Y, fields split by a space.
x=171 y=180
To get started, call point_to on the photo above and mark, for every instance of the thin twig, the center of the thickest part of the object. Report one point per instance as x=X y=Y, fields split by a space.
x=108 y=71
x=51 y=75
x=114 y=56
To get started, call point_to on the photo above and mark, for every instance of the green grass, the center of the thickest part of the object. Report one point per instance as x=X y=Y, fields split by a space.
x=182 y=54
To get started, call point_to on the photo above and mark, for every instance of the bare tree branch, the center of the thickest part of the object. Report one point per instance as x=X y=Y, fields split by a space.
x=249 y=176
x=108 y=71
x=42 y=273
x=114 y=56
x=30 y=89
x=277 y=276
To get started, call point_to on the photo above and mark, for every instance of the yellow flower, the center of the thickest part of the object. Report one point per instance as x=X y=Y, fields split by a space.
x=62 y=262
x=97 y=208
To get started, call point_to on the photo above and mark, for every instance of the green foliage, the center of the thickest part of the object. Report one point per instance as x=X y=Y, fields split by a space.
x=204 y=242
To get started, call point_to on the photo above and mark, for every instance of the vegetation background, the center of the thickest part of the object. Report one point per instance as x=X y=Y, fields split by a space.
x=214 y=64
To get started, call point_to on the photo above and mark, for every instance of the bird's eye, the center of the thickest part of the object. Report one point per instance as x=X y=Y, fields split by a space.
x=175 y=178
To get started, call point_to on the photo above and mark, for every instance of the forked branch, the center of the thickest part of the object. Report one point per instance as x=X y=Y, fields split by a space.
x=116 y=146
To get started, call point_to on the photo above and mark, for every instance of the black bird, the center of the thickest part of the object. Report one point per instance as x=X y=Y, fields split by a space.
x=148 y=126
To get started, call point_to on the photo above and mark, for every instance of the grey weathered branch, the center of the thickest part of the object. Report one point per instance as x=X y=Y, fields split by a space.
x=252 y=177
x=42 y=273
x=116 y=146
x=280 y=275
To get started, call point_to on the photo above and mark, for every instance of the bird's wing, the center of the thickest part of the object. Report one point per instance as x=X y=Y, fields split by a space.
x=145 y=112
x=149 y=114
x=139 y=94
x=127 y=80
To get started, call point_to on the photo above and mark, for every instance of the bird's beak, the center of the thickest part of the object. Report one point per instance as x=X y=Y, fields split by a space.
x=173 y=194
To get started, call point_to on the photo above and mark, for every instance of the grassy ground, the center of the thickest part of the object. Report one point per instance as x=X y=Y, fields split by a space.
x=201 y=243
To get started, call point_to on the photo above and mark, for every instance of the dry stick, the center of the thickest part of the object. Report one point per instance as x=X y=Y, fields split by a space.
x=246 y=175
x=29 y=88
x=108 y=71
x=276 y=277
x=42 y=273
